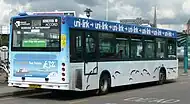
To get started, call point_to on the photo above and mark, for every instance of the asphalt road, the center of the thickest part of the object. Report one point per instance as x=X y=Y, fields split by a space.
x=171 y=93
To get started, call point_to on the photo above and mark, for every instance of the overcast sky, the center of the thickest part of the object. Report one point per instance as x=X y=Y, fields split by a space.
x=170 y=13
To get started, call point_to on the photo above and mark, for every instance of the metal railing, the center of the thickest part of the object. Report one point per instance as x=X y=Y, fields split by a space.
x=4 y=70
x=4 y=65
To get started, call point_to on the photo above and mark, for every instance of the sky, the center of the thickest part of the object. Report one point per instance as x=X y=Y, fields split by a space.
x=171 y=14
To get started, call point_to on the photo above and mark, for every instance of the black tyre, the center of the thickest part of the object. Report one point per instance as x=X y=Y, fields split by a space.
x=104 y=85
x=162 y=77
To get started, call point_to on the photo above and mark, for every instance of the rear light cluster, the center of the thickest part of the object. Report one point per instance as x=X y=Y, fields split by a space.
x=63 y=71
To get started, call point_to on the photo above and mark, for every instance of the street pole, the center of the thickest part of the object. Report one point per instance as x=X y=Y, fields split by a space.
x=107 y=3
x=186 y=55
x=0 y=40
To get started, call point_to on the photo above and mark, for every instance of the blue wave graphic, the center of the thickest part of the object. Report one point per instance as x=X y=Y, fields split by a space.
x=35 y=56
x=32 y=74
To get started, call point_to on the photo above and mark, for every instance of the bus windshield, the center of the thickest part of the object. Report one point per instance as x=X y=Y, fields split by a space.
x=36 y=34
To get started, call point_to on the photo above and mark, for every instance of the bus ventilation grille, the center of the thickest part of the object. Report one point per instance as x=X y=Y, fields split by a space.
x=78 y=81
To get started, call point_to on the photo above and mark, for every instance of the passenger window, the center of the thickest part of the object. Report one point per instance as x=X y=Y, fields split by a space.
x=107 y=45
x=161 y=48
x=136 y=48
x=149 y=48
x=122 y=48
x=171 y=49
x=76 y=47
x=91 y=41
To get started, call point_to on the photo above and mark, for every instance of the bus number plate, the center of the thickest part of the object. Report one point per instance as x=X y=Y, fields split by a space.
x=34 y=86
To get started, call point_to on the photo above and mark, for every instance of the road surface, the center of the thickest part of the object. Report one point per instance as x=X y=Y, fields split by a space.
x=171 y=93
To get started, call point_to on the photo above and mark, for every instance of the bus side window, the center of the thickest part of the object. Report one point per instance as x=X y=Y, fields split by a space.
x=149 y=48
x=76 y=46
x=171 y=48
x=90 y=40
x=136 y=49
x=122 y=47
x=161 y=50
x=107 y=46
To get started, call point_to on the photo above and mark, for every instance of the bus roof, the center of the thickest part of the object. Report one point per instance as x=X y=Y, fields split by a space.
x=99 y=25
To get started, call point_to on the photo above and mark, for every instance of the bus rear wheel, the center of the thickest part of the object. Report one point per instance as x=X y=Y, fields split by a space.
x=104 y=85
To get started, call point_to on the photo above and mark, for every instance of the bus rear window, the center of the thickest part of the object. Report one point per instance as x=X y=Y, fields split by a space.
x=36 y=34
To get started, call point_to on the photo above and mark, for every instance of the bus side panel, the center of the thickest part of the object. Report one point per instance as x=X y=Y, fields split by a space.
x=77 y=73
x=132 y=72
x=75 y=70
x=82 y=81
x=172 y=70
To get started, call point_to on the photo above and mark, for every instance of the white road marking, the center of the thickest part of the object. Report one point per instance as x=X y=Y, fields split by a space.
x=171 y=101
x=78 y=101
x=152 y=100
x=9 y=98
x=184 y=82
x=130 y=98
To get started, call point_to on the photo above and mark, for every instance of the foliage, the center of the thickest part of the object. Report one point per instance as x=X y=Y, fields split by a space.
x=4 y=40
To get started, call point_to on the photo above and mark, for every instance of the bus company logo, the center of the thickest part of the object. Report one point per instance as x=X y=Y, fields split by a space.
x=17 y=24
x=23 y=23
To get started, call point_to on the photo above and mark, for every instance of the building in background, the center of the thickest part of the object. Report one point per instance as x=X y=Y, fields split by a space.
x=4 y=35
x=137 y=21
x=4 y=29
x=187 y=29
x=154 y=24
x=71 y=13
x=142 y=22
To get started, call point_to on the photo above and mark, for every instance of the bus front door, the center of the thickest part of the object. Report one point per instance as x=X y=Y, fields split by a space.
x=91 y=63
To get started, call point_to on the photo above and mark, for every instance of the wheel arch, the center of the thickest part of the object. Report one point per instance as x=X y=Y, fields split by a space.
x=163 y=69
x=106 y=72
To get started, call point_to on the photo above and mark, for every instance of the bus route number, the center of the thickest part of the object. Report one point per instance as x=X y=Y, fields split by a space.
x=49 y=64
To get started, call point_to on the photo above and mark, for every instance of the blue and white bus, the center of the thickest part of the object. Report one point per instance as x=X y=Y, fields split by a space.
x=79 y=54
